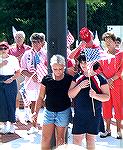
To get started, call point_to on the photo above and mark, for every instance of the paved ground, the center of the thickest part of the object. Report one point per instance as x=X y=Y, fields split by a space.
x=22 y=141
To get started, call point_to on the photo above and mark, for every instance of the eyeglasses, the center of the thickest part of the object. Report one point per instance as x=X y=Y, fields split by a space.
x=3 y=48
x=117 y=42
x=36 y=41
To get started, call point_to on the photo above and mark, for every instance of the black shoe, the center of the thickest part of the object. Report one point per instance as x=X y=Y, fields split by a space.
x=105 y=134
x=119 y=135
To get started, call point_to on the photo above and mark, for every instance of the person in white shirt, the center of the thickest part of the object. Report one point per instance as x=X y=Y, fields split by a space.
x=9 y=72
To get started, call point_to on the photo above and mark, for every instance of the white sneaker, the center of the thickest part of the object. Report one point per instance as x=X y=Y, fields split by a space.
x=105 y=134
x=32 y=130
x=17 y=113
x=27 y=118
x=119 y=135
x=11 y=129
x=17 y=117
x=4 y=129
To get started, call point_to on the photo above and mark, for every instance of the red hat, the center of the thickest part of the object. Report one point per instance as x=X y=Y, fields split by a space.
x=4 y=44
x=85 y=34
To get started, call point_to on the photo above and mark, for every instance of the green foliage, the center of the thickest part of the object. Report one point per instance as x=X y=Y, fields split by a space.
x=30 y=16
x=26 y=15
x=97 y=21
x=108 y=12
x=72 y=16
x=94 y=1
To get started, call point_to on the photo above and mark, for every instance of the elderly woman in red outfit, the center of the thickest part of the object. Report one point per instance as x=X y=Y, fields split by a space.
x=111 y=69
x=87 y=38
x=87 y=42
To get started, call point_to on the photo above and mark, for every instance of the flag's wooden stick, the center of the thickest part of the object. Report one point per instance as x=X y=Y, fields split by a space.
x=92 y=98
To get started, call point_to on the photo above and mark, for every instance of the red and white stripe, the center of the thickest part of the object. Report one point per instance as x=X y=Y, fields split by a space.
x=41 y=71
x=70 y=39
x=80 y=78
x=23 y=93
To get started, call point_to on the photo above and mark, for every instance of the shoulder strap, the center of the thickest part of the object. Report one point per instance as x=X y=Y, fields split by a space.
x=80 y=78
x=96 y=81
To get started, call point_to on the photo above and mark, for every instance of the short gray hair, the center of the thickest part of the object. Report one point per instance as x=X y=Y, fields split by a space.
x=57 y=59
x=37 y=36
x=20 y=33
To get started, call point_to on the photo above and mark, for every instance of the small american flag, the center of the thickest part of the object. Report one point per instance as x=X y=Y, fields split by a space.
x=70 y=38
x=23 y=93
x=41 y=68
x=94 y=54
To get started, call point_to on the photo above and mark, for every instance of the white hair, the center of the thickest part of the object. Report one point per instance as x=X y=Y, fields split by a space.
x=42 y=35
x=19 y=33
x=57 y=59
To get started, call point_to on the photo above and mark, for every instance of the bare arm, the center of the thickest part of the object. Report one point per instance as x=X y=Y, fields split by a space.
x=77 y=50
x=3 y=63
x=75 y=89
x=17 y=74
x=40 y=99
x=14 y=77
x=101 y=97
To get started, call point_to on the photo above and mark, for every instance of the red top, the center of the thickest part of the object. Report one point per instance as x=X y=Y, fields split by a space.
x=111 y=66
x=18 y=51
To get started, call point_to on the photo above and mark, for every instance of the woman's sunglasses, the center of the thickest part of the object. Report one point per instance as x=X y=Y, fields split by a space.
x=3 y=48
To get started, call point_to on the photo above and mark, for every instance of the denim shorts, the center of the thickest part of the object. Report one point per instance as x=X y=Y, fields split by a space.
x=61 y=118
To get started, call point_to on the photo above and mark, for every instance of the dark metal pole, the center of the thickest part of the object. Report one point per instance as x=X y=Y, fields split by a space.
x=56 y=25
x=81 y=16
x=56 y=21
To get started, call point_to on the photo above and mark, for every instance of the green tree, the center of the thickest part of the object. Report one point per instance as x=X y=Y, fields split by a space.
x=26 y=15
x=30 y=16
x=108 y=12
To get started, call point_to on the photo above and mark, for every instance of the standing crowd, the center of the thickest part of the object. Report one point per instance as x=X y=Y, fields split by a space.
x=93 y=87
